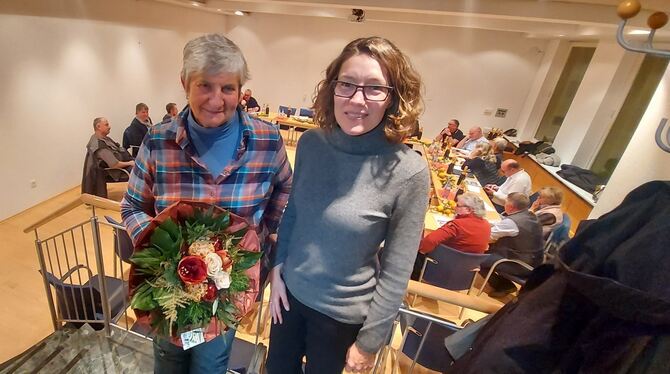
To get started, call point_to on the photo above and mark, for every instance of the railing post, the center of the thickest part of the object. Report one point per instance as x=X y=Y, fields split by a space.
x=97 y=246
x=47 y=288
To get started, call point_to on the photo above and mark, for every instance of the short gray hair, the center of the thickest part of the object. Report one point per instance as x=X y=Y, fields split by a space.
x=96 y=121
x=474 y=202
x=213 y=54
x=500 y=143
x=518 y=200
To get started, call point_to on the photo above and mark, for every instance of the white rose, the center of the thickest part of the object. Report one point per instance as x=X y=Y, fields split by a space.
x=221 y=280
x=214 y=264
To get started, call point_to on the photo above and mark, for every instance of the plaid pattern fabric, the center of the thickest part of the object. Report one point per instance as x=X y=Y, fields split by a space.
x=255 y=185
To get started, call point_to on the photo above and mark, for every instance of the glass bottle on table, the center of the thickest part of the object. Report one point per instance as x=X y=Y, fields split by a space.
x=452 y=165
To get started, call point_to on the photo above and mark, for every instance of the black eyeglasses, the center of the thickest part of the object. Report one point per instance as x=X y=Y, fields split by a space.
x=373 y=92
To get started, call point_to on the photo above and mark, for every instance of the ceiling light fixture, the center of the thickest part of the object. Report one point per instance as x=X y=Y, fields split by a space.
x=194 y=3
x=240 y=13
x=639 y=32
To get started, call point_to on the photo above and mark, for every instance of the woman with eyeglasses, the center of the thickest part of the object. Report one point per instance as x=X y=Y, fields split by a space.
x=356 y=186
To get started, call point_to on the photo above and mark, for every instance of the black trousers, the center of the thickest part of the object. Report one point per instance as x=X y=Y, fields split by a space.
x=306 y=332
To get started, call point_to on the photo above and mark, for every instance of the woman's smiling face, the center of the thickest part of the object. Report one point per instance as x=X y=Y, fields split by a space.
x=356 y=115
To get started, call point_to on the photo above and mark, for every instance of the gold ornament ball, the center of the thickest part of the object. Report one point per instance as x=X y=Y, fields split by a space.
x=657 y=20
x=628 y=9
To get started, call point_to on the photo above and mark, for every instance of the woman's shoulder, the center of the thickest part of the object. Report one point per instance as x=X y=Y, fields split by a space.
x=260 y=128
x=410 y=160
x=313 y=137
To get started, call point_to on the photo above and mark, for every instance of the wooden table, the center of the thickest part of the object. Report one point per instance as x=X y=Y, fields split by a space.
x=292 y=135
x=432 y=217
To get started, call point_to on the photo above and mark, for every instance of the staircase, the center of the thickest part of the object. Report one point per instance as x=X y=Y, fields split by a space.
x=85 y=350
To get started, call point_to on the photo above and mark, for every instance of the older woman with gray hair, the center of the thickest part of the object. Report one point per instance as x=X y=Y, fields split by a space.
x=467 y=232
x=212 y=152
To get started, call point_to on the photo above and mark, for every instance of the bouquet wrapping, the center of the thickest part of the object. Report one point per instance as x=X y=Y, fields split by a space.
x=195 y=266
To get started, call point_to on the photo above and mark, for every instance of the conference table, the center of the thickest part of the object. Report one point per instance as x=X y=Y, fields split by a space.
x=293 y=125
x=435 y=219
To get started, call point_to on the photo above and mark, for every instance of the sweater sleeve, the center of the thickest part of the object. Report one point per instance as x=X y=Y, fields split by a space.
x=397 y=259
x=289 y=216
x=447 y=231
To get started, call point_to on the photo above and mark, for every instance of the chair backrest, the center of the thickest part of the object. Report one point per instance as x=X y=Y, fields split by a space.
x=454 y=269
x=305 y=112
x=123 y=245
x=76 y=302
x=434 y=354
x=288 y=110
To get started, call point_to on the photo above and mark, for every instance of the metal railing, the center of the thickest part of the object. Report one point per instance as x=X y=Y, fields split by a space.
x=74 y=264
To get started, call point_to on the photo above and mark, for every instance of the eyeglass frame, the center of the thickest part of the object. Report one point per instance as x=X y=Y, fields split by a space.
x=362 y=88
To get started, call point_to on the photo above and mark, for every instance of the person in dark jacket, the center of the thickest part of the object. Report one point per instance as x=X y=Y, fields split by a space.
x=103 y=152
x=172 y=112
x=135 y=132
x=518 y=236
x=604 y=307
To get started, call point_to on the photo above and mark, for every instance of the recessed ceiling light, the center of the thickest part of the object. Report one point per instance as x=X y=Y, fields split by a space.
x=218 y=9
x=239 y=13
x=639 y=32
x=194 y=3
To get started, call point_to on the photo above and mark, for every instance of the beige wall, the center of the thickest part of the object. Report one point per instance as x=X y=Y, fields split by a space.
x=66 y=62
x=464 y=70
x=643 y=160
x=72 y=61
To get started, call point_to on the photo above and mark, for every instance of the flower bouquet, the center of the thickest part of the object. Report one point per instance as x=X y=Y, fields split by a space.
x=196 y=267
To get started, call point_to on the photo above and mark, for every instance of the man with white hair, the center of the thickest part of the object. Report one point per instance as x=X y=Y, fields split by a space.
x=467 y=232
x=475 y=136
x=103 y=152
x=249 y=103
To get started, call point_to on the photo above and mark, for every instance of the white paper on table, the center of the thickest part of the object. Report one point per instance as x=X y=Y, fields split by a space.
x=441 y=219
x=474 y=189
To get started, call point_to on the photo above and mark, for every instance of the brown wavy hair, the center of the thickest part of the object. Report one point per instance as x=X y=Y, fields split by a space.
x=406 y=99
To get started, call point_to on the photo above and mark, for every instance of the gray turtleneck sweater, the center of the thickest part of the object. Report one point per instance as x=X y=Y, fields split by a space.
x=350 y=194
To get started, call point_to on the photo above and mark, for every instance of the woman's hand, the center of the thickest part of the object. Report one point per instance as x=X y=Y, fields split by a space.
x=278 y=296
x=359 y=361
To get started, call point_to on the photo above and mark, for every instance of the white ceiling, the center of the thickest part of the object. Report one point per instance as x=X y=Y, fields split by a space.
x=569 y=19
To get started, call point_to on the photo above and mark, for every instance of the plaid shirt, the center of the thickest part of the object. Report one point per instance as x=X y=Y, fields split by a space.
x=255 y=185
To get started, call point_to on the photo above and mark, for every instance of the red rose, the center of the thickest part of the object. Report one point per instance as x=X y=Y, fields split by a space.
x=192 y=270
x=226 y=261
x=218 y=245
x=210 y=294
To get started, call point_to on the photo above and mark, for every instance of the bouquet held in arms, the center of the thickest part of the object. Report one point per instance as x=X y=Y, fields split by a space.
x=195 y=271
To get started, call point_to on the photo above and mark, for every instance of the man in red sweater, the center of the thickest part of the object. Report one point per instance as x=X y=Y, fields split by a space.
x=467 y=232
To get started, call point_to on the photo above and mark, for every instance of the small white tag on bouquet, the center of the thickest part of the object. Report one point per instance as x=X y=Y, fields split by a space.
x=190 y=339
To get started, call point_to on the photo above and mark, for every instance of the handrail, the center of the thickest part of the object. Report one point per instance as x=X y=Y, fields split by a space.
x=453 y=297
x=85 y=198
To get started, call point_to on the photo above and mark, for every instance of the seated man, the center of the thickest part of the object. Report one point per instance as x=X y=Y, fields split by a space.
x=518 y=236
x=548 y=210
x=103 y=152
x=172 y=112
x=517 y=181
x=451 y=131
x=134 y=133
x=467 y=232
x=248 y=103
x=475 y=135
